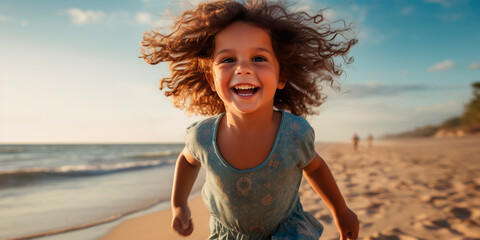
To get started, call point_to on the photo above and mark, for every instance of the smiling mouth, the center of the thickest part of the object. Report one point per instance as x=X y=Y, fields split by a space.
x=245 y=90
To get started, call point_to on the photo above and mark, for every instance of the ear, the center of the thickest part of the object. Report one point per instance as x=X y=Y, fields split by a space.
x=282 y=80
x=281 y=83
x=210 y=81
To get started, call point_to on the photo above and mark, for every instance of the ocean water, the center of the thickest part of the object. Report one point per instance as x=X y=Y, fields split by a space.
x=46 y=190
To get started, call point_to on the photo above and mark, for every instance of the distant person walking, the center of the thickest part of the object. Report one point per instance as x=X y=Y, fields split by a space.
x=370 y=140
x=355 y=140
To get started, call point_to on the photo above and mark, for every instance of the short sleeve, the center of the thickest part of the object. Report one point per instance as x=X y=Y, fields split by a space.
x=306 y=143
x=191 y=140
x=199 y=138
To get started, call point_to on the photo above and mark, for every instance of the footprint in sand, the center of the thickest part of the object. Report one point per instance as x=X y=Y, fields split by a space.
x=469 y=229
x=463 y=222
x=437 y=201
x=393 y=234
x=441 y=203
x=337 y=155
x=373 y=208
x=442 y=184
x=351 y=185
x=461 y=213
x=380 y=236
x=326 y=218
x=438 y=226
x=366 y=225
x=441 y=223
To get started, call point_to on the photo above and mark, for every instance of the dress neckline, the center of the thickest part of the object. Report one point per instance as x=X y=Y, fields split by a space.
x=226 y=164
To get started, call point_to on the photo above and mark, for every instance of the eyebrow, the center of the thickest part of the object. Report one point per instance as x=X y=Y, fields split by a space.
x=258 y=48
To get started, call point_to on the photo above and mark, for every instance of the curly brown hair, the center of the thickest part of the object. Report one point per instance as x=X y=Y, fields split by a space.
x=305 y=47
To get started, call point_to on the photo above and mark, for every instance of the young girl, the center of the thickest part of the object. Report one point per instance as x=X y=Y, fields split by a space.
x=256 y=68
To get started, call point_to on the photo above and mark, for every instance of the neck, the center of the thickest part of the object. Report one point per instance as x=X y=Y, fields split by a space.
x=251 y=124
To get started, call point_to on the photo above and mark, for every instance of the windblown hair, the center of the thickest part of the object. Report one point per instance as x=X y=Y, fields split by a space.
x=304 y=45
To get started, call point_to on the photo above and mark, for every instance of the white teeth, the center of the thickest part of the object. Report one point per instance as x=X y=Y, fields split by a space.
x=244 y=87
x=243 y=90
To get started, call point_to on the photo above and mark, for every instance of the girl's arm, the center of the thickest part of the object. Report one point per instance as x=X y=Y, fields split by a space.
x=321 y=179
x=186 y=172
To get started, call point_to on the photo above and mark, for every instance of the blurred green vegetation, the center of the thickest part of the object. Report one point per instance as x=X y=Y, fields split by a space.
x=471 y=118
x=468 y=123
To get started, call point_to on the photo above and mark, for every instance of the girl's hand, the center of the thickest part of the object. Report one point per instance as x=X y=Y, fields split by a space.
x=347 y=223
x=181 y=220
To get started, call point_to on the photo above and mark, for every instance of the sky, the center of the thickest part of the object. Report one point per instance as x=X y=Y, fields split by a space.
x=70 y=70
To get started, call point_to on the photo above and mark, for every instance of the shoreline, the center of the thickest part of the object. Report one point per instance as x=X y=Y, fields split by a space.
x=97 y=227
x=156 y=225
x=84 y=230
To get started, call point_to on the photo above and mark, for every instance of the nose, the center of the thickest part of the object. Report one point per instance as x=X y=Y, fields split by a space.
x=243 y=68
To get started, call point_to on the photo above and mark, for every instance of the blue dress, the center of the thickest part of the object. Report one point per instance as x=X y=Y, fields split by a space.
x=261 y=202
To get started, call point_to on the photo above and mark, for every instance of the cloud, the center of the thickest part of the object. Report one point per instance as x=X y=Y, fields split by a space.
x=372 y=36
x=330 y=14
x=143 y=18
x=474 y=66
x=444 y=3
x=304 y=8
x=437 y=107
x=407 y=10
x=4 y=18
x=119 y=17
x=365 y=33
x=442 y=66
x=147 y=18
x=373 y=89
x=81 y=17
x=452 y=17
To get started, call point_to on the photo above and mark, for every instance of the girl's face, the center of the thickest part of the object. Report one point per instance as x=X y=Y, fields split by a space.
x=245 y=69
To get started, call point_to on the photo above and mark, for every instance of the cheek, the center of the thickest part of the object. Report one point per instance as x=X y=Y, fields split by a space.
x=271 y=73
x=216 y=84
x=220 y=77
x=215 y=79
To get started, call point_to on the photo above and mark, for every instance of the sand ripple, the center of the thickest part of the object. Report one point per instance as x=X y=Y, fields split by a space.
x=406 y=189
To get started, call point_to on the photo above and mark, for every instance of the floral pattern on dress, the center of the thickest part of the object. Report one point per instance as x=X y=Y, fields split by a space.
x=267 y=200
x=262 y=202
x=244 y=185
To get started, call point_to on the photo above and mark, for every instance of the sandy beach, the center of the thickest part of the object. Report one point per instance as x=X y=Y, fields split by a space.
x=400 y=189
